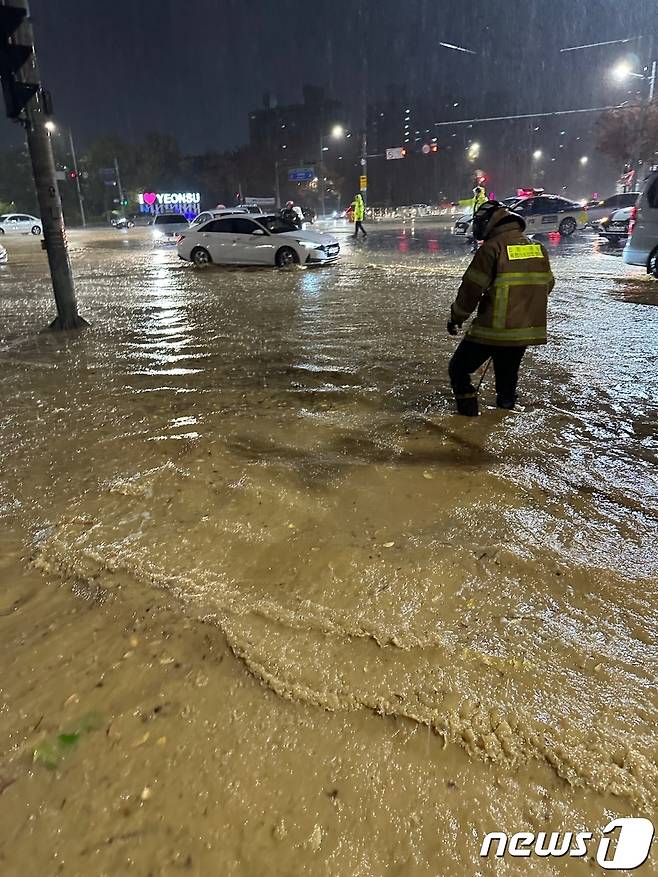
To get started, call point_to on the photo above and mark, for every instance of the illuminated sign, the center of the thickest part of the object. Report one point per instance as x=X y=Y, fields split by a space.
x=167 y=199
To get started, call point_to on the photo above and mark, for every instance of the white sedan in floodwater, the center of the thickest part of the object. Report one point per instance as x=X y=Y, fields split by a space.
x=256 y=240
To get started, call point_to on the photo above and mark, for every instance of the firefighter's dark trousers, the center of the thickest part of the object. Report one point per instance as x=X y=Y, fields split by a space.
x=468 y=357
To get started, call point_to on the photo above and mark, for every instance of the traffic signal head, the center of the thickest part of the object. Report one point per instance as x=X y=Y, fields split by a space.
x=434 y=147
x=13 y=56
x=71 y=175
x=124 y=202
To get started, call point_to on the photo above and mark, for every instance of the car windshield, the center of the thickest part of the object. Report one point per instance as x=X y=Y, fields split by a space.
x=276 y=225
x=3 y=217
x=169 y=219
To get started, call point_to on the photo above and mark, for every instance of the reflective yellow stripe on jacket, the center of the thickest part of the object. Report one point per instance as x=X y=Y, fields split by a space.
x=498 y=331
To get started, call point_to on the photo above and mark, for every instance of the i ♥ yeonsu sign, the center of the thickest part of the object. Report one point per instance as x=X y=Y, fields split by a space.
x=157 y=199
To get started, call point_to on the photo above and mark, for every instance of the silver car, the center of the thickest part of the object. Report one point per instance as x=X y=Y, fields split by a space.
x=642 y=245
x=167 y=227
x=603 y=209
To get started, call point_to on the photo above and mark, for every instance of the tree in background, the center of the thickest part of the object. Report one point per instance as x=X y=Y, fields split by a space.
x=630 y=135
x=16 y=183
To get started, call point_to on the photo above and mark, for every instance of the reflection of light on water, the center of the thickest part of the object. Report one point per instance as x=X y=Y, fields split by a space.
x=311 y=283
x=167 y=371
x=180 y=435
x=183 y=421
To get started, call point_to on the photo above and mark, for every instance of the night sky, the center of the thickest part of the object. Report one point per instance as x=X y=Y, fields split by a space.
x=196 y=68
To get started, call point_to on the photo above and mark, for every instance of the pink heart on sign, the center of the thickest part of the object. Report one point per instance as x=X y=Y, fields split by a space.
x=149 y=198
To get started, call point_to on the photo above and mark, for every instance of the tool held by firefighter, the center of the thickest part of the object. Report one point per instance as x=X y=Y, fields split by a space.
x=508 y=282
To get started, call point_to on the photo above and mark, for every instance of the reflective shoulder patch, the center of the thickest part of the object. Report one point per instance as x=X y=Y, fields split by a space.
x=525 y=251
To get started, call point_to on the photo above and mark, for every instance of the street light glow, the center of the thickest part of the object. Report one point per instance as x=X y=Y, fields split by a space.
x=50 y=126
x=537 y=154
x=584 y=159
x=474 y=150
x=621 y=71
x=337 y=132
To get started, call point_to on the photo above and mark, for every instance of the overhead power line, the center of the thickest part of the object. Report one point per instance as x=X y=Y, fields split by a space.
x=596 y=45
x=531 y=115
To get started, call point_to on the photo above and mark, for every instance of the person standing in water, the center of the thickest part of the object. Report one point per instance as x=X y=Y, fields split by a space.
x=359 y=212
x=508 y=282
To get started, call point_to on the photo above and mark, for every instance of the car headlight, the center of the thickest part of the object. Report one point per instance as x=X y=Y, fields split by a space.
x=310 y=245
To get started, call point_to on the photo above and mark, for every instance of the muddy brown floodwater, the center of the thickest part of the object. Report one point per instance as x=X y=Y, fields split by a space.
x=268 y=607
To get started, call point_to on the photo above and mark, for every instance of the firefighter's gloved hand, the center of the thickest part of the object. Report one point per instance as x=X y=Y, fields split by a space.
x=453 y=328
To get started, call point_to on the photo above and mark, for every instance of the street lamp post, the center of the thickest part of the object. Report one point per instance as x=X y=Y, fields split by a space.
x=52 y=128
x=336 y=133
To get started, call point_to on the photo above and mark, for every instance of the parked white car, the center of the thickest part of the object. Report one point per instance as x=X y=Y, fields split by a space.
x=642 y=245
x=256 y=240
x=20 y=223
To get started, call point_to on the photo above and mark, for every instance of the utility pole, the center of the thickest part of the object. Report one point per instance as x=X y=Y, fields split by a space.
x=83 y=218
x=277 y=190
x=652 y=81
x=364 y=165
x=321 y=175
x=117 y=177
x=28 y=103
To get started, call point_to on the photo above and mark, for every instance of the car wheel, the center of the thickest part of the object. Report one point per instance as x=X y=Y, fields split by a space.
x=36 y=229
x=568 y=226
x=286 y=257
x=200 y=256
x=652 y=264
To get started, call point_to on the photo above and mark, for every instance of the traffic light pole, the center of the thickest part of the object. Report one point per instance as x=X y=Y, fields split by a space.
x=50 y=207
x=17 y=79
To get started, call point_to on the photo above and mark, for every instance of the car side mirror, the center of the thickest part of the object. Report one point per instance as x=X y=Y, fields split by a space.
x=258 y=231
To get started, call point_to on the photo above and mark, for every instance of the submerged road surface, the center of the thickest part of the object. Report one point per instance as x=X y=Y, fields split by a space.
x=274 y=452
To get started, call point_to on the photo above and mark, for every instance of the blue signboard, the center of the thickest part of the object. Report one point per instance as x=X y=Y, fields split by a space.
x=301 y=175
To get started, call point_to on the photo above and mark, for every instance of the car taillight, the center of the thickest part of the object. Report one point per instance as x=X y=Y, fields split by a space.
x=632 y=221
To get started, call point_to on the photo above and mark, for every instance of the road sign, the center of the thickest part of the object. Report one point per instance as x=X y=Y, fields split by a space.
x=264 y=202
x=60 y=175
x=363 y=183
x=301 y=174
x=106 y=171
x=396 y=152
